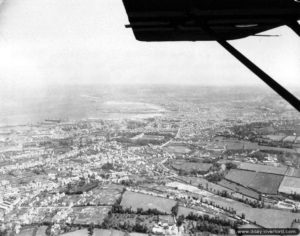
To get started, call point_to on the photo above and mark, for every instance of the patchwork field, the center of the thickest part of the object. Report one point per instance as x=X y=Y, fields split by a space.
x=266 y=183
x=290 y=185
x=264 y=179
x=263 y=168
x=139 y=200
x=242 y=177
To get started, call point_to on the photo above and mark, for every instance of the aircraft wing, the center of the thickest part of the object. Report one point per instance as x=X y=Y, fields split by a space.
x=186 y=20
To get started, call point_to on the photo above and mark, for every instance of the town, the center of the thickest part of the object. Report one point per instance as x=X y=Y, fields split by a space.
x=196 y=168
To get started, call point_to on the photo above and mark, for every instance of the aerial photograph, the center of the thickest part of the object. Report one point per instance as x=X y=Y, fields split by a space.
x=149 y=117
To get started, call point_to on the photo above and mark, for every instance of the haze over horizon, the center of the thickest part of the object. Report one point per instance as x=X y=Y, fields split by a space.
x=63 y=42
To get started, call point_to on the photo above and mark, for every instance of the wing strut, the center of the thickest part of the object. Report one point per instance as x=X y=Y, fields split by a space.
x=289 y=97
x=295 y=26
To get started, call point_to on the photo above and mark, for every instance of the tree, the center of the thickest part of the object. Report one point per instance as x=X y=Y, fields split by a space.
x=48 y=230
x=139 y=211
x=91 y=229
x=174 y=209
x=106 y=222
x=230 y=166
x=180 y=220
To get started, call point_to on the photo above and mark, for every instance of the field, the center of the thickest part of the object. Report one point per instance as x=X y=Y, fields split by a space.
x=237 y=145
x=240 y=189
x=293 y=172
x=79 y=189
x=81 y=232
x=289 y=139
x=27 y=231
x=139 y=200
x=290 y=185
x=148 y=138
x=152 y=137
x=113 y=232
x=235 y=190
x=266 y=183
x=268 y=218
x=41 y=231
x=234 y=146
x=277 y=149
x=33 y=231
x=101 y=196
x=88 y=215
x=188 y=188
x=186 y=211
x=185 y=165
x=116 y=221
x=250 y=146
x=178 y=149
x=242 y=177
x=277 y=138
x=196 y=181
x=105 y=195
x=263 y=168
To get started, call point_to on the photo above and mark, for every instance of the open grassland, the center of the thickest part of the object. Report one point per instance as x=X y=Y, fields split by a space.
x=266 y=183
x=144 y=201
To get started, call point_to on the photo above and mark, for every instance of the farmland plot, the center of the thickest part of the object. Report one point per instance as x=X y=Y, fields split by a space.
x=242 y=177
x=144 y=201
x=266 y=183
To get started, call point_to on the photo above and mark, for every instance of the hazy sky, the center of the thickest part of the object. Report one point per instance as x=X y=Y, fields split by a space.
x=85 y=41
